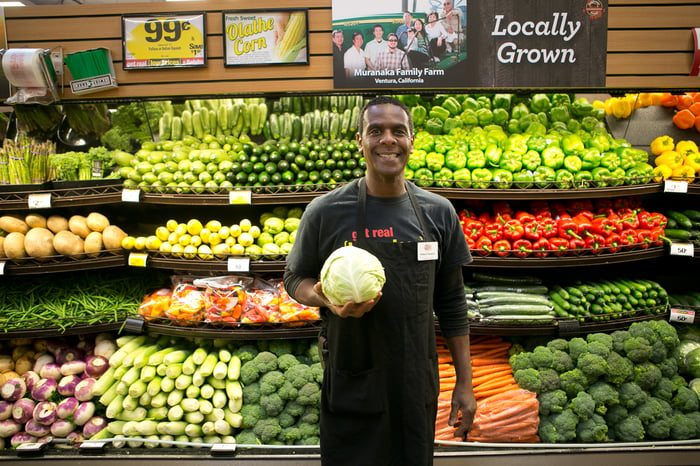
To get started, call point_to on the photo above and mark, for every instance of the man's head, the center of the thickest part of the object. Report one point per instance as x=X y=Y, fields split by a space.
x=407 y=18
x=447 y=4
x=381 y=100
x=392 y=40
x=337 y=37
x=378 y=32
x=357 y=39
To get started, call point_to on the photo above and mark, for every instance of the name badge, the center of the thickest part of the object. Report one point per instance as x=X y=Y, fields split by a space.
x=428 y=251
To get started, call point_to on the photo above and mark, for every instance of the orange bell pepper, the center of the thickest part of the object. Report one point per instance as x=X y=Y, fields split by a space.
x=695 y=108
x=684 y=119
x=668 y=100
x=684 y=101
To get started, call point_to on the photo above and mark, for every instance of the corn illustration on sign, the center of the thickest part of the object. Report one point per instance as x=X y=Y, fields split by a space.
x=265 y=37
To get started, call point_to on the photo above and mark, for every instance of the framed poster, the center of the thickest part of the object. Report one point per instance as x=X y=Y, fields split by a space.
x=266 y=37
x=164 y=41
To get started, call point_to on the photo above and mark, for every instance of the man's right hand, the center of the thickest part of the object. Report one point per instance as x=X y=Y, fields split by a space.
x=349 y=309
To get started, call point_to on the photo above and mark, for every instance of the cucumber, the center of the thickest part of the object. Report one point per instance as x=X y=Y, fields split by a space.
x=506 y=280
x=515 y=299
x=533 y=289
x=682 y=219
x=517 y=309
x=675 y=233
x=692 y=214
x=519 y=320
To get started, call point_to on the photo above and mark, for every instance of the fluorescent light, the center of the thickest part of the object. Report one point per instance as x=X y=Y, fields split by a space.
x=11 y=4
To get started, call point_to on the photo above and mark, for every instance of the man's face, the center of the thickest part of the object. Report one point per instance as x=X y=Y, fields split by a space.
x=407 y=18
x=357 y=41
x=392 y=41
x=338 y=38
x=378 y=33
x=447 y=5
x=386 y=140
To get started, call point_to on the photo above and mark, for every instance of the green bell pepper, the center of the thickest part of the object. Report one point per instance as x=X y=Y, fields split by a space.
x=581 y=107
x=536 y=128
x=408 y=173
x=443 y=178
x=553 y=157
x=572 y=163
x=553 y=138
x=485 y=116
x=500 y=116
x=478 y=141
x=469 y=117
x=527 y=120
x=610 y=160
x=519 y=110
x=585 y=137
x=439 y=112
x=462 y=177
x=590 y=158
x=484 y=101
x=600 y=142
x=619 y=143
x=502 y=178
x=540 y=103
x=601 y=176
x=497 y=136
x=572 y=144
x=455 y=159
x=470 y=103
x=583 y=179
x=511 y=161
x=433 y=125
x=502 y=101
x=559 y=113
x=451 y=124
x=560 y=99
x=617 y=177
x=628 y=157
x=531 y=160
x=476 y=159
x=423 y=177
x=418 y=114
x=536 y=142
x=589 y=123
x=435 y=161
x=640 y=173
x=513 y=126
x=417 y=159
x=564 y=179
x=573 y=125
x=559 y=127
x=493 y=155
x=516 y=143
x=543 y=117
x=523 y=179
x=481 y=178
x=443 y=143
x=544 y=176
x=452 y=105
x=424 y=141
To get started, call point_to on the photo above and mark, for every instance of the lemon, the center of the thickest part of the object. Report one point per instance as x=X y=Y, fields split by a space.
x=254 y=231
x=184 y=239
x=190 y=252
x=235 y=231
x=173 y=238
x=165 y=247
x=194 y=226
x=204 y=252
x=205 y=234
x=162 y=233
x=224 y=232
x=230 y=241
x=181 y=229
x=237 y=249
x=246 y=239
x=196 y=240
x=214 y=240
x=128 y=242
x=213 y=225
x=221 y=250
x=171 y=224
x=140 y=243
x=153 y=243
x=245 y=224
x=177 y=250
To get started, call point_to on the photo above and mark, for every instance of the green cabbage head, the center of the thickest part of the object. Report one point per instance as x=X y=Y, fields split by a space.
x=351 y=274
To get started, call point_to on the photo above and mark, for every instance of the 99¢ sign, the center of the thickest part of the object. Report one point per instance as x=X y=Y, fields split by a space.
x=169 y=41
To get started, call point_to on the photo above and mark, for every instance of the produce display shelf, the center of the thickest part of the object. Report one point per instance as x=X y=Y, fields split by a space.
x=53 y=331
x=63 y=193
x=108 y=259
x=586 y=257
x=269 y=331
x=553 y=193
x=161 y=261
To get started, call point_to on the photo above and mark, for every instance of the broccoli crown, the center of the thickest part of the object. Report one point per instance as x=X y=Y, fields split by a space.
x=308 y=430
x=667 y=333
x=620 y=369
x=280 y=347
x=592 y=430
x=573 y=381
x=598 y=348
x=249 y=373
x=528 y=379
x=565 y=424
x=541 y=357
x=265 y=361
x=685 y=400
x=664 y=389
x=583 y=406
x=561 y=361
x=251 y=393
x=604 y=395
x=317 y=370
x=273 y=404
x=520 y=361
x=313 y=353
x=548 y=433
x=602 y=338
x=286 y=420
x=619 y=338
x=311 y=415
x=246 y=352
x=552 y=402
x=290 y=435
x=309 y=395
x=271 y=381
x=116 y=138
x=616 y=414
x=287 y=391
x=549 y=379
x=629 y=429
x=313 y=440
x=659 y=429
x=267 y=429
x=659 y=352
x=592 y=365
x=668 y=367
x=643 y=330
x=631 y=395
x=637 y=349
x=695 y=416
x=678 y=381
x=683 y=427
x=299 y=375
x=577 y=347
x=247 y=437
x=649 y=411
x=250 y=415
x=647 y=375
x=285 y=361
x=293 y=409
x=558 y=344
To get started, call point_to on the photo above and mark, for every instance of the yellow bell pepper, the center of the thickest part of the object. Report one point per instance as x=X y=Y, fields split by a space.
x=686 y=147
x=661 y=144
x=622 y=107
x=692 y=160
x=662 y=172
x=684 y=172
x=670 y=157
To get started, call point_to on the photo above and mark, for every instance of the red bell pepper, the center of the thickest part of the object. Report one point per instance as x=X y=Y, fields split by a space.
x=539 y=208
x=568 y=229
x=541 y=247
x=493 y=231
x=547 y=227
x=602 y=205
x=485 y=217
x=502 y=247
x=649 y=220
x=576 y=245
x=657 y=235
x=602 y=226
x=502 y=208
x=595 y=243
x=621 y=203
x=532 y=231
x=473 y=228
x=559 y=245
x=513 y=230
x=629 y=220
x=628 y=238
x=576 y=206
x=471 y=244
x=613 y=243
x=465 y=214
x=584 y=224
x=644 y=238
x=524 y=217
x=522 y=247
x=484 y=246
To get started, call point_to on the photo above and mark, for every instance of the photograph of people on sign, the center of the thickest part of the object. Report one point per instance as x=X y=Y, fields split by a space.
x=463 y=43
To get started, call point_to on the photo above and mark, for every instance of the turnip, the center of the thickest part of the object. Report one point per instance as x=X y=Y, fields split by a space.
x=51 y=370
x=66 y=386
x=13 y=389
x=41 y=361
x=84 y=413
x=22 y=437
x=35 y=429
x=44 y=389
x=30 y=379
x=96 y=365
x=93 y=426
x=67 y=407
x=61 y=428
x=5 y=410
x=45 y=412
x=83 y=391
x=8 y=428
x=23 y=410
x=74 y=367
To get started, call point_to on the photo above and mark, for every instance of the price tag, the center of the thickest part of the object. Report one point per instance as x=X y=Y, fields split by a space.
x=39 y=201
x=2 y=268
x=239 y=264
x=683 y=316
x=674 y=186
x=131 y=195
x=240 y=197
x=138 y=259
x=97 y=168
x=173 y=41
x=682 y=249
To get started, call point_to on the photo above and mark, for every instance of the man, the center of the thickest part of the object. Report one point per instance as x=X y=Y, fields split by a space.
x=402 y=30
x=375 y=46
x=338 y=52
x=354 y=58
x=380 y=385
x=452 y=20
x=392 y=58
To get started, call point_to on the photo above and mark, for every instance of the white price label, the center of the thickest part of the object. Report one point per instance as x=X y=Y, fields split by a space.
x=674 y=186
x=683 y=316
x=138 y=259
x=39 y=201
x=682 y=249
x=2 y=268
x=239 y=264
x=131 y=195
x=240 y=197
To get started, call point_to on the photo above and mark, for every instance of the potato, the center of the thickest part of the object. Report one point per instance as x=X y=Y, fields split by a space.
x=35 y=221
x=12 y=223
x=77 y=224
x=68 y=243
x=14 y=245
x=57 y=223
x=96 y=221
x=2 y=249
x=38 y=242
x=93 y=244
x=112 y=237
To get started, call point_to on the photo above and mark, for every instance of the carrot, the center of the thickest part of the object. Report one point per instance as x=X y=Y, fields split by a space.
x=485 y=361
x=485 y=378
x=488 y=345
x=490 y=369
x=493 y=353
x=495 y=391
x=495 y=382
x=475 y=340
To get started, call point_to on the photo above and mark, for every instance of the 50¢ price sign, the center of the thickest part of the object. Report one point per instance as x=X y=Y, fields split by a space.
x=164 y=41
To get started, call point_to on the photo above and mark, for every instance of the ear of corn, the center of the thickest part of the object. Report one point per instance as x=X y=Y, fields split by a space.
x=294 y=33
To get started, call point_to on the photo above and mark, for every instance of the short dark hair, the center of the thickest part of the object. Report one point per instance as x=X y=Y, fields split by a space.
x=355 y=34
x=382 y=100
x=377 y=26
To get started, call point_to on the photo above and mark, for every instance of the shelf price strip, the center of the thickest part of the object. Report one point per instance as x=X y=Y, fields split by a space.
x=675 y=186
x=138 y=259
x=682 y=316
x=39 y=201
x=682 y=249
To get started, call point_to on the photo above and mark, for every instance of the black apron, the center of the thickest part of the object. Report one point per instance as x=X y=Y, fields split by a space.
x=380 y=386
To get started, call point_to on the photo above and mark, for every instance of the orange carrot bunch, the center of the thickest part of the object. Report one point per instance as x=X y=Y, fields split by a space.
x=510 y=416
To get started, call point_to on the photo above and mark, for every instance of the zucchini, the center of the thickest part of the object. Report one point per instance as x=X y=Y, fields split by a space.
x=533 y=289
x=517 y=309
x=506 y=280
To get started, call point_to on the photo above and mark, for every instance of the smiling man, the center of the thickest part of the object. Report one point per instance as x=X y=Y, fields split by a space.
x=380 y=386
